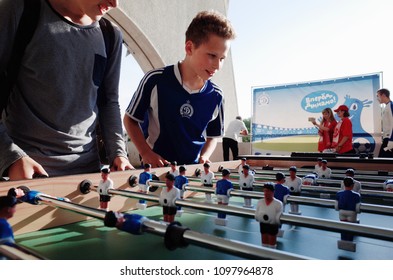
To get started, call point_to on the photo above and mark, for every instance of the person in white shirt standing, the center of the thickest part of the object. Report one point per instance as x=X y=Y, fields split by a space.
x=383 y=96
x=229 y=141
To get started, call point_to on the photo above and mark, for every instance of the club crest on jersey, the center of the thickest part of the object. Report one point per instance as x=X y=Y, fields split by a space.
x=186 y=110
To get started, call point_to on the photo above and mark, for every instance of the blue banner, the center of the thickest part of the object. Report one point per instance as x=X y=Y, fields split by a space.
x=280 y=121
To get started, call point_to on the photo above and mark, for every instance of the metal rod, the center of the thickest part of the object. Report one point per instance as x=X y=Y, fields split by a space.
x=17 y=252
x=236 y=248
x=233 y=247
x=318 y=181
x=369 y=208
x=336 y=226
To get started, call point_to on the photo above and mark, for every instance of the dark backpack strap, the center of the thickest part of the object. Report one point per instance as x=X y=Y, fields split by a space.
x=108 y=33
x=25 y=31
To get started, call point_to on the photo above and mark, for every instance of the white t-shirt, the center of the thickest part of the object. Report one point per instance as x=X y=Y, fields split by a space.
x=246 y=182
x=387 y=121
x=324 y=174
x=294 y=185
x=269 y=214
x=234 y=128
x=168 y=198
x=207 y=178
x=103 y=187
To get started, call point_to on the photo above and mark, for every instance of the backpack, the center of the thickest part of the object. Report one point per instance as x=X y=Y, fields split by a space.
x=24 y=33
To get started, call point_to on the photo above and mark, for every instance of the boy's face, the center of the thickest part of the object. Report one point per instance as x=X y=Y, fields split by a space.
x=208 y=57
x=97 y=8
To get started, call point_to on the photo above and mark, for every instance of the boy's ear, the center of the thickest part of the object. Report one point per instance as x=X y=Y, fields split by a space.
x=189 y=47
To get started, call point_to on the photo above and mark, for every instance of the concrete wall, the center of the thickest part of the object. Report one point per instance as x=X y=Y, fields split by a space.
x=154 y=32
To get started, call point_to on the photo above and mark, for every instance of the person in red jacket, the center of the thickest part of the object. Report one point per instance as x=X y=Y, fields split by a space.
x=325 y=129
x=342 y=135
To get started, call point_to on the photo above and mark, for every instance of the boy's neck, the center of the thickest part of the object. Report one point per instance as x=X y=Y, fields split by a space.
x=189 y=79
x=71 y=11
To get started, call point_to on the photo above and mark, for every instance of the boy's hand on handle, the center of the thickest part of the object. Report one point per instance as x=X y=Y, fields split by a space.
x=26 y=168
x=121 y=164
x=154 y=159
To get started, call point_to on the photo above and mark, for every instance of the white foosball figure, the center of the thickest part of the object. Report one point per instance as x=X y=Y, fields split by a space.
x=267 y=213
x=207 y=178
x=246 y=182
x=294 y=183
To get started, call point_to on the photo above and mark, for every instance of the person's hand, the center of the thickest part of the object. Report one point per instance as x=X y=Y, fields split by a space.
x=203 y=159
x=121 y=164
x=154 y=159
x=26 y=168
x=389 y=147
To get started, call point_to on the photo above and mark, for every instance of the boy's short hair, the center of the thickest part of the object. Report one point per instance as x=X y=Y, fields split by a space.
x=206 y=23
x=246 y=166
x=384 y=91
x=206 y=164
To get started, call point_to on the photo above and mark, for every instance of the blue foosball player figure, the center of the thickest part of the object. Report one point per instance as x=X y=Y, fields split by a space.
x=223 y=189
x=181 y=181
x=7 y=211
x=144 y=178
x=267 y=213
x=348 y=204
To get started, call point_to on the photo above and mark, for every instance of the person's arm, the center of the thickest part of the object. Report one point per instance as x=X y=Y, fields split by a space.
x=136 y=135
x=207 y=150
x=341 y=143
x=244 y=130
x=109 y=110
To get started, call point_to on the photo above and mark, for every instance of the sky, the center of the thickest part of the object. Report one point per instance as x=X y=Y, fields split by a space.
x=293 y=41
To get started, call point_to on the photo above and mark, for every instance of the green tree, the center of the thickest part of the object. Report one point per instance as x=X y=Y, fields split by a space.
x=247 y=122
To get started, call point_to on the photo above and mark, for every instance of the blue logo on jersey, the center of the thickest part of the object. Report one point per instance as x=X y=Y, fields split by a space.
x=186 y=110
x=316 y=101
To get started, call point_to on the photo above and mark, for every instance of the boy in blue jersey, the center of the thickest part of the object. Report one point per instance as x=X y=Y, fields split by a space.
x=184 y=108
x=144 y=178
x=7 y=211
x=348 y=204
x=223 y=188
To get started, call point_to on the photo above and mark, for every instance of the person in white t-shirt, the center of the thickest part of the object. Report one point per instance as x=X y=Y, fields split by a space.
x=229 y=141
